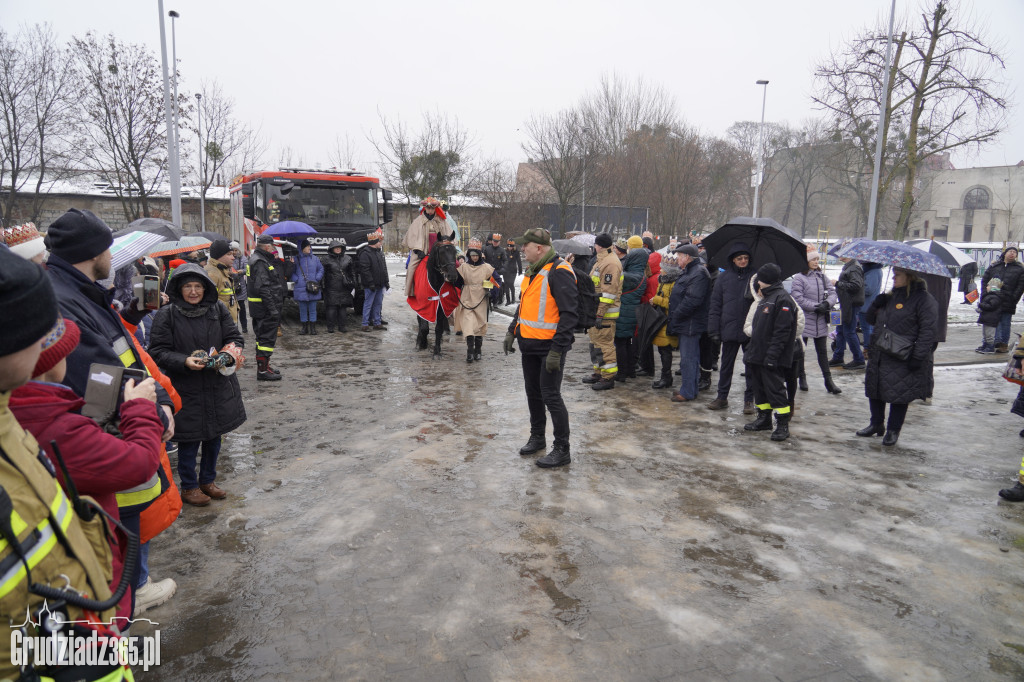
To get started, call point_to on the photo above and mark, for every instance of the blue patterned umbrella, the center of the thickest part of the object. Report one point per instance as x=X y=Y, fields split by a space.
x=896 y=254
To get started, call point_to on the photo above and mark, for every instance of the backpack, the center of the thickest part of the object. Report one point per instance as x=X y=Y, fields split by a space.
x=586 y=300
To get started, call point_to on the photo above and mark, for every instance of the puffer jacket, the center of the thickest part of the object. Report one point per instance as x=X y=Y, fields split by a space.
x=990 y=308
x=666 y=281
x=850 y=289
x=211 y=402
x=729 y=302
x=654 y=263
x=809 y=289
x=634 y=284
x=339 y=276
x=690 y=300
x=914 y=317
x=1012 y=275
x=308 y=268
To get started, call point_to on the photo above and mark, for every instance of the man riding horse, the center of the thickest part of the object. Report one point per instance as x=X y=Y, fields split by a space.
x=437 y=286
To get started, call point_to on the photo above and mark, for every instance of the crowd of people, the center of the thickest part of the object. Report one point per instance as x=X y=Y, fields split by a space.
x=100 y=393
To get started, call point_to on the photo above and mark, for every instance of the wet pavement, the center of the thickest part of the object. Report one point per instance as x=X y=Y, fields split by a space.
x=381 y=526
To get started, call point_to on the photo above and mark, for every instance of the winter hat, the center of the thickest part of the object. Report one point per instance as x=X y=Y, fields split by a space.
x=28 y=305
x=24 y=240
x=264 y=239
x=813 y=254
x=689 y=249
x=57 y=345
x=219 y=248
x=604 y=240
x=995 y=284
x=78 y=236
x=177 y=262
x=769 y=273
x=535 y=235
x=235 y=246
x=635 y=242
x=621 y=244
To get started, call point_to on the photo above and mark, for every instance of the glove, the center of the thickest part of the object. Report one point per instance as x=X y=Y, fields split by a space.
x=510 y=339
x=823 y=307
x=881 y=301
x=913 y=364
x=419 y=253
x=553 y=362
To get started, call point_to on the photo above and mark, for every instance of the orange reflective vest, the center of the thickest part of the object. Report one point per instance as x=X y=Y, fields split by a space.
x=538 y=312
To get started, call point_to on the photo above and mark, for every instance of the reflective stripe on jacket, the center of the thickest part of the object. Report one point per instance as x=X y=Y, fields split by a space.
x=538 y=312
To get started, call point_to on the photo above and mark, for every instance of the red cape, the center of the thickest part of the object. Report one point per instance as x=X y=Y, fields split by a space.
x=425 y=302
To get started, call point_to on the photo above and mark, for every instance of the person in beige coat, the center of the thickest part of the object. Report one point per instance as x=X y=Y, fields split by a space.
x=219 y=269
x=471 y=315
x=417 y=238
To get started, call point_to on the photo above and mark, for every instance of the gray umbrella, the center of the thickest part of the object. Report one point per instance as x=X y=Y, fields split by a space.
x=563 y=247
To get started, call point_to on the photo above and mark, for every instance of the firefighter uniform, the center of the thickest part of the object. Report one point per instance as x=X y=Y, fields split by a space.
x=264 y=287
x=221 y=276
x=607 y=278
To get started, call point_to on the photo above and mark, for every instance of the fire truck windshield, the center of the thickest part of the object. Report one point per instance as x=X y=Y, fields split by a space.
x=322 y=205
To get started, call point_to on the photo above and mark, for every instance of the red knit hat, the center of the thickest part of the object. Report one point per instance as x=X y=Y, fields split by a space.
x=57 y=345
x=24 y=240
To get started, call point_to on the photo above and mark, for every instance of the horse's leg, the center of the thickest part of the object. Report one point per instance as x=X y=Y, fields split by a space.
x=421 y=336
x=439 y=329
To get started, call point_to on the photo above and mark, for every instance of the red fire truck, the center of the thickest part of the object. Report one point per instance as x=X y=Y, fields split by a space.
x=337 y=204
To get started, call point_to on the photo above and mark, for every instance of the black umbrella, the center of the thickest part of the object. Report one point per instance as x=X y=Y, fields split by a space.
x=649 y=321
x=767 y=241
x=564 y=247
x=159 y=226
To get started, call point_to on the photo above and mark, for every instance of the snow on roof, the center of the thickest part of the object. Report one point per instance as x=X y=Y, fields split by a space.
x=455 y=200
x=91 y=185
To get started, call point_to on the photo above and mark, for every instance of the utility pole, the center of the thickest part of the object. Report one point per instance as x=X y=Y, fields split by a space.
x=172 y=139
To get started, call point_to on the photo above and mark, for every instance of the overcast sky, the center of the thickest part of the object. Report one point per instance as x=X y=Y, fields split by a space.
x=311 y=70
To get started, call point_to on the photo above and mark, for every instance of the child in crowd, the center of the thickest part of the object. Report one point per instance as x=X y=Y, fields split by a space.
x=990 y=311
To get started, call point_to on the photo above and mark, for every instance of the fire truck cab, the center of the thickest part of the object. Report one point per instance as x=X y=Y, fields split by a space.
x=337 y=204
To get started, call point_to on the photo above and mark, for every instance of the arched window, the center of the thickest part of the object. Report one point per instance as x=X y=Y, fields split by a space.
x=976 y=199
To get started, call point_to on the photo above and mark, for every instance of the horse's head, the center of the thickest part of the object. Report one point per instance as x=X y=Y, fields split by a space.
x=442 y=259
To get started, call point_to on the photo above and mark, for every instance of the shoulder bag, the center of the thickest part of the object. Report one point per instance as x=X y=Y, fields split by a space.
x=891 y=343
x=312 y=286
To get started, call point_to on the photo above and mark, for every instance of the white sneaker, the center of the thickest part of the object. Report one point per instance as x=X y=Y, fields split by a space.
x=153 y=594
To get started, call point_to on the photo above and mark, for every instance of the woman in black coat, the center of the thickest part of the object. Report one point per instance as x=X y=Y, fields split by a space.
x=339 y=280
x=211 y=402
x=912 y=313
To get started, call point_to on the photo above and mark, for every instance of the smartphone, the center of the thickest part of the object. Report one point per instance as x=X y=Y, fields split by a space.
x=105 y=389
x=146 y=289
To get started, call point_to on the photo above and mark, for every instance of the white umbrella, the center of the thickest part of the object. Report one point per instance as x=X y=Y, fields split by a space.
x=133 y=245
x=949 y=254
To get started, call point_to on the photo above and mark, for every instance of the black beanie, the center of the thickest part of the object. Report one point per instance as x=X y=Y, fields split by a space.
x=604 y=240
x=28 y=305
x=78 y=236
x=219 y=248
x=769 y=273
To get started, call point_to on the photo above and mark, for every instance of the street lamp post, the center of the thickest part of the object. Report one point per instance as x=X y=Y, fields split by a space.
x=583 y=208
x=174 y=76
x=760 y=146
x=202 y=172
x=172 y=138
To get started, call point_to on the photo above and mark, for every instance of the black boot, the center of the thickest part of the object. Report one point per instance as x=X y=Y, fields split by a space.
x=665 y=381
x=559 y=456
x=330 y=329
x=871 y=430
x=1014 y=494
x=802 y=379
x=305 y=329
x=312 y=328
x=604 y=384
x=891 y=436
x=592 y=379
x=704 y=383
x=479 y=345
x=762 y=423
x=831 y=387
x=535 y=444
x=263 y=371
x=469 y=349
x=781 y=431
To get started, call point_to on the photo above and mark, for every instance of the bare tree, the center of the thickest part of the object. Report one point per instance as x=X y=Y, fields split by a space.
x=343 y=154
x=250 y=156
x=559 y=148
x=746 y=135
x=124 y=140
x=436 y=160
x=36 y=106
x=943 y=96
x=224 y=139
